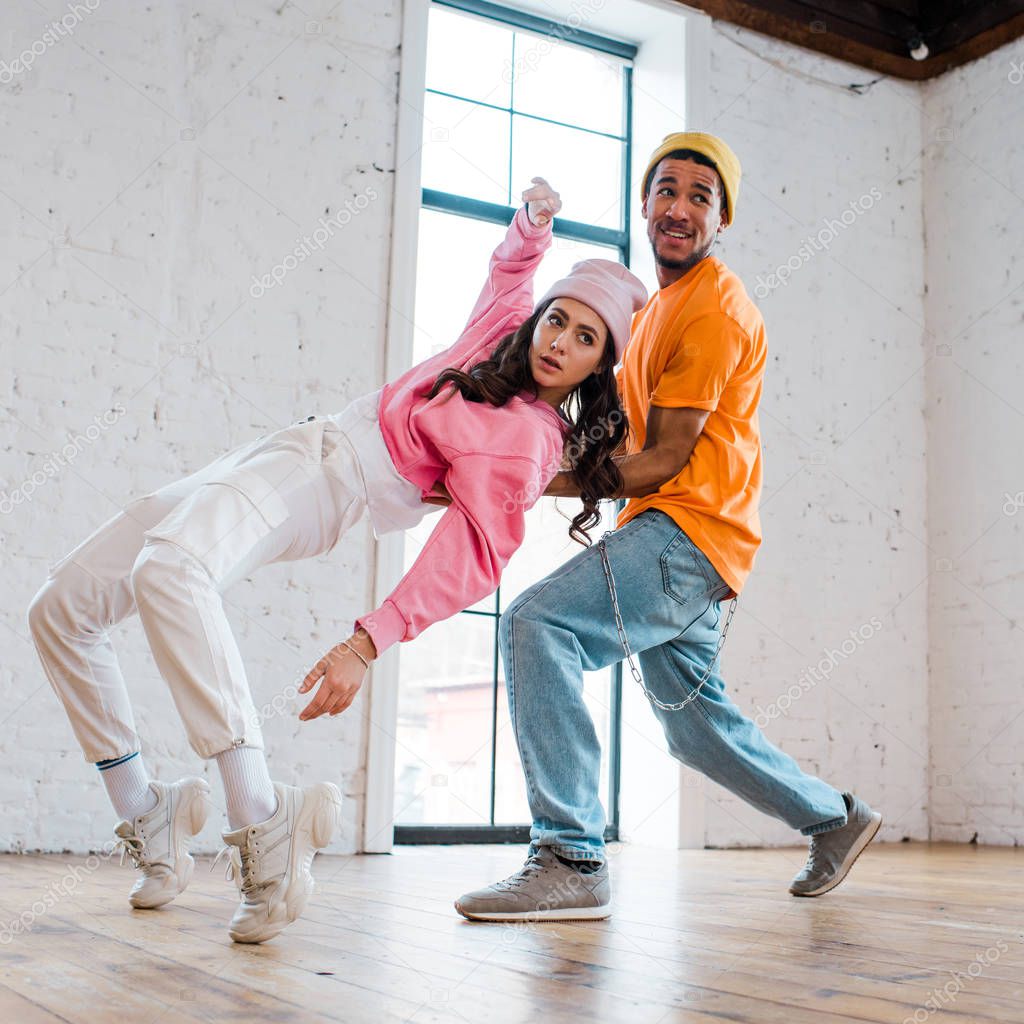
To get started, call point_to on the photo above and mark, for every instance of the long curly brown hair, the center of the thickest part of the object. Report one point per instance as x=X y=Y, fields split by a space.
x=598 y=421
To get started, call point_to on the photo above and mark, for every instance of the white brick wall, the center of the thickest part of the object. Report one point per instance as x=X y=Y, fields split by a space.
x=129 y=239
x=892 y=424
x=844 y=434
x=974 y=203
x=179 y=149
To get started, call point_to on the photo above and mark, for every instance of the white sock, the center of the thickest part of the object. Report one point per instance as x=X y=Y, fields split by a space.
x=127 y=783
x=248 y=788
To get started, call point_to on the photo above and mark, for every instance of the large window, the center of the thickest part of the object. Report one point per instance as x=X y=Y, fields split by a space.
x=509 y=96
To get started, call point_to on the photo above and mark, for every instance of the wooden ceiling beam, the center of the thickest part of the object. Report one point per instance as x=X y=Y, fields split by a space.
x=797 y=30
x=910 y=8
x=867 y=14
x=970 y=21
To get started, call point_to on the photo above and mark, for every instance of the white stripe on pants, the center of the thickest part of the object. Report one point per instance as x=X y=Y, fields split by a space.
x=170 y=554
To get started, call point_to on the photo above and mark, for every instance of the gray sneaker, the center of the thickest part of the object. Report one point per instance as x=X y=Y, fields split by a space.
x=543 y=889
x=832 y=853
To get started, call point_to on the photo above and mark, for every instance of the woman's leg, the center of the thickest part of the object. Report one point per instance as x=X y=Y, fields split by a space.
x=268 y=501
x=88 y=592
x=70 y=618
x=85 y=595
x=279 y=505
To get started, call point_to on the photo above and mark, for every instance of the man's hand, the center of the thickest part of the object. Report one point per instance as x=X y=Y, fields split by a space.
x=341 y=674
x=542 y=202
x=671 y=437
x=438 y=495
x=562 y=485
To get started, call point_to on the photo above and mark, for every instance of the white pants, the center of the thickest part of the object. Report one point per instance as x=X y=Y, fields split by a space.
x=168 y=555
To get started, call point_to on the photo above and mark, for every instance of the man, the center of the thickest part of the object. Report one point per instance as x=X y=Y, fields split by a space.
x=690 y=383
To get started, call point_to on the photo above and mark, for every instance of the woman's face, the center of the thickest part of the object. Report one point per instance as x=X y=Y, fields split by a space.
x=568 y=345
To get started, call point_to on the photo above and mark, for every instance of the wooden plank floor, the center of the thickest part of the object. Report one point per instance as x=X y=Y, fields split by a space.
x=916 y=933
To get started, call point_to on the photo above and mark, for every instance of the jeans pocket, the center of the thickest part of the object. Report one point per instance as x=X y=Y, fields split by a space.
x=684 y=570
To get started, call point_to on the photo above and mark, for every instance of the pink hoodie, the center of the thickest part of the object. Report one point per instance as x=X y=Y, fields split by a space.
x=494 y=460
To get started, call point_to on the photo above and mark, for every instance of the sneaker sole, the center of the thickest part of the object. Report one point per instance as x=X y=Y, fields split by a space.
x=855 y=851
x=318 y=818
x=539 y=916
x=189 y=818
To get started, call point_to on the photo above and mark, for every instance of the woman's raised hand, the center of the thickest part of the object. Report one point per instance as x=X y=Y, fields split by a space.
x=542 y=202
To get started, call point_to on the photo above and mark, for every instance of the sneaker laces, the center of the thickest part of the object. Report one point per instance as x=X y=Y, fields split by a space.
x=233 y=868
x=242 y=862
x=816 y=855
x=533 y=866
x=132 y=847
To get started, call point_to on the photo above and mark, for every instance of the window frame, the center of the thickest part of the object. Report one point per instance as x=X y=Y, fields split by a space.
x=619 y=239
x=671 y=90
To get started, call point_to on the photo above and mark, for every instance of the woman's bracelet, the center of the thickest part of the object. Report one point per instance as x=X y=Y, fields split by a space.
x=345 y=643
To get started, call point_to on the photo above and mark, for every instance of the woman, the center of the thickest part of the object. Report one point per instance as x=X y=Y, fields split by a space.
x=489 y=420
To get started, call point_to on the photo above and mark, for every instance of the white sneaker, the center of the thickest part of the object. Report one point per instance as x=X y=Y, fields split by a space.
x=157 y=842
x=270 y=861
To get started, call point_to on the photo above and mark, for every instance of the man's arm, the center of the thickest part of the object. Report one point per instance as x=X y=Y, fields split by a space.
x=671 y=437
x=687 y=390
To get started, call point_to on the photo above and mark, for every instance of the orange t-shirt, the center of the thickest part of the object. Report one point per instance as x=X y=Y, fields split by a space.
x=699 y=343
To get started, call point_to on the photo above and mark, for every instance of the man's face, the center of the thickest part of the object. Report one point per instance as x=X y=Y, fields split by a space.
x=684 y=214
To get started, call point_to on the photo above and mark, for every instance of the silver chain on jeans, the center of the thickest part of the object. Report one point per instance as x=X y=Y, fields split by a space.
x=629 y=654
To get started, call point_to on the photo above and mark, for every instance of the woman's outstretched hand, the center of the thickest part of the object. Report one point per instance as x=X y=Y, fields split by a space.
x=341 y=673
x=542 y=202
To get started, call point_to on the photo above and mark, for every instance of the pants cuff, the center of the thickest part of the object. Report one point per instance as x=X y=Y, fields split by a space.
x=93 y=755
x=825 y=826
x=570 y=852
x=212 y=748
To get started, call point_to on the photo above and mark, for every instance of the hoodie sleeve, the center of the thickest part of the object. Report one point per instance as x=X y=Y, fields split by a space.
x=462 y=560
x=512 y=266
x=505 y=301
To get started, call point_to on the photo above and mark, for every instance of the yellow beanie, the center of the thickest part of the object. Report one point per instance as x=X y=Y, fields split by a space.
x=725 y=160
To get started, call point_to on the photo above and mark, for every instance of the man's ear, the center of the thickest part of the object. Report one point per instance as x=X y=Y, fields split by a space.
x=643 y=208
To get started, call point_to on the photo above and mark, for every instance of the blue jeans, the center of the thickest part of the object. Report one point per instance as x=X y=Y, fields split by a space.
x=669 y=596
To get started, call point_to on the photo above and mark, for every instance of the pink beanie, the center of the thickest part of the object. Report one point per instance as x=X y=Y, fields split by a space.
x=609 y=289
